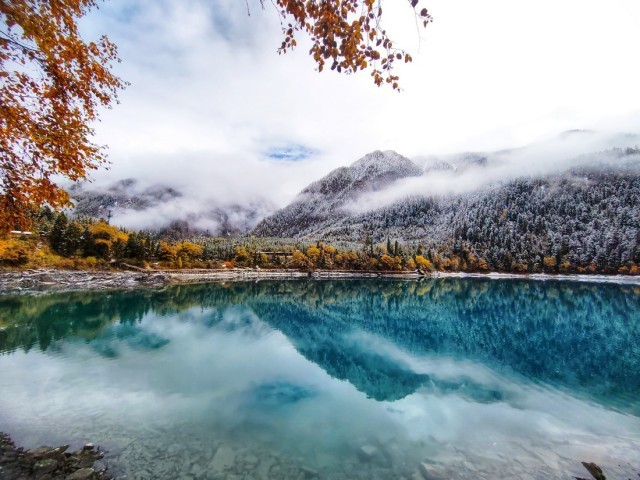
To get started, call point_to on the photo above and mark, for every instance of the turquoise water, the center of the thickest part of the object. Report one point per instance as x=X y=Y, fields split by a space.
x=475 y=378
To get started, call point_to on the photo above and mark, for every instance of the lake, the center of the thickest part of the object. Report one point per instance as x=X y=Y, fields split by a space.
x=351 y=379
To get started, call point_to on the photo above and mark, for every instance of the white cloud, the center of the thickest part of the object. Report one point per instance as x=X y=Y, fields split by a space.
x=553 y=155
x=209 y=95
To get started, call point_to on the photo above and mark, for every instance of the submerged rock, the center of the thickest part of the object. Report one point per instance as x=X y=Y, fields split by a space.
x=595 y=471
x=45 y=466
x=82 y=474
x=264 y=468
x=48 y=452
x=367 y=453
x=431 y=472
x=223 y=459
x=309 y=472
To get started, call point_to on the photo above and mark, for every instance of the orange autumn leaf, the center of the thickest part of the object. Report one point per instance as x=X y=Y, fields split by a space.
x=348 y=33
x=52 y=83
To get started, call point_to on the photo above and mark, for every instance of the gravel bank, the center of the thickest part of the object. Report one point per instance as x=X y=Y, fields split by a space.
x=34 y=280
x=50 y=463
x=65 y=280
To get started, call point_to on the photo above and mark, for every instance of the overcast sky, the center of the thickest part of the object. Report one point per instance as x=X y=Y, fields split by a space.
x=212 y=105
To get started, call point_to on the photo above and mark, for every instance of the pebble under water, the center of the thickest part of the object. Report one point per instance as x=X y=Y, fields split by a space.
x=354 y=379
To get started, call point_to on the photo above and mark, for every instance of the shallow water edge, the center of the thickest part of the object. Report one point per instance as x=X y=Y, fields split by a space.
x=13 y=281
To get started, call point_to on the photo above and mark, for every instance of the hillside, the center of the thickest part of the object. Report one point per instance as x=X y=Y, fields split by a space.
x=320 y=204
x=587 y=216
x=164 y=209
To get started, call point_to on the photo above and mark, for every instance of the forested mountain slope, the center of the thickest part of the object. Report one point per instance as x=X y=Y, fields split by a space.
x=320 y=204
x=588 y=216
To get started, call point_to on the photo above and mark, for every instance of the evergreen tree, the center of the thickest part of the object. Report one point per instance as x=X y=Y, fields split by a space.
x=134 y=247
x=88 y=246
x=57 y=233
x=73 y=239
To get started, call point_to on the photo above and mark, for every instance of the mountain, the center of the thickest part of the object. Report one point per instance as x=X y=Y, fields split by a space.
x=452 y=163
x=171 y=213
x=121 y=195
x=320 y=204
x=586 y=215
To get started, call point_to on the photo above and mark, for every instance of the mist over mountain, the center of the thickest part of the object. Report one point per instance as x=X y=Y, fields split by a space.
x=572 y=199
x=120 y=196
x=131 y=203
x=586 y=214
x=322 y=203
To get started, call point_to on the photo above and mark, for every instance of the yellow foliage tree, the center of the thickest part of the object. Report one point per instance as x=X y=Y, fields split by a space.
x=107 y=239
x=549 y=263
x=190 y=251
x=314 y=254
x=565 y=267
x=423 y=263
x=14 y=252
x=391 y=263
x=483 y=266
x=167 y=252
x=52 y=84
x=300 y=260
x=241 y=255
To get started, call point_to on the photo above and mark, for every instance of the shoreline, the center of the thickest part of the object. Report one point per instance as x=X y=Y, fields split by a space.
x=90 y=463
x=45 y=280
x=51 y=463
x=543 y=277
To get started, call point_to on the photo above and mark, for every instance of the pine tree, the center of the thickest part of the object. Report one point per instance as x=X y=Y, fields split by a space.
x=57 y=233
x=73 y=239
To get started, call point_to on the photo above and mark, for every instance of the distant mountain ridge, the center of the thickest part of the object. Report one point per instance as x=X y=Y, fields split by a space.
x=120 y=195
x=167 y=210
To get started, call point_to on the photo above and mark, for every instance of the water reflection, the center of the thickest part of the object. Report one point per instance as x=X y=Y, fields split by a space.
x=578 y=336
x=357 y=379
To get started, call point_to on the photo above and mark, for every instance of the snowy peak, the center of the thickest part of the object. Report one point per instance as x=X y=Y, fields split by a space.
x=383 y=163
x=125 y=194
x=372 y=172
x=453 y=163
x=323 y=200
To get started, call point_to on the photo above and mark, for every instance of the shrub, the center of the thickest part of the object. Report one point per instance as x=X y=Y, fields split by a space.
x=14 y=252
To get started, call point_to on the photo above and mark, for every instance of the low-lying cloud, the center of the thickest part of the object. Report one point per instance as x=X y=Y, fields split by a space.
x=214 y=112
x=463 y=173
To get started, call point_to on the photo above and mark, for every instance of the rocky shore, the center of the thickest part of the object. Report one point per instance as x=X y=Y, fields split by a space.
x=50 y=463
x=64 y=280
x=35 y=280
x=219 y=461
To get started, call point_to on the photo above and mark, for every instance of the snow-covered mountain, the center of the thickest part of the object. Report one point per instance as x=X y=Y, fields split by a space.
x=131 y=203
x=587 y=213
x=508 y=207
x=121 y=195
x=321 y=204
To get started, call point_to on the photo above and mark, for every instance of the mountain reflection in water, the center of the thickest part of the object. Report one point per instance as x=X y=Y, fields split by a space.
x=475 y=348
